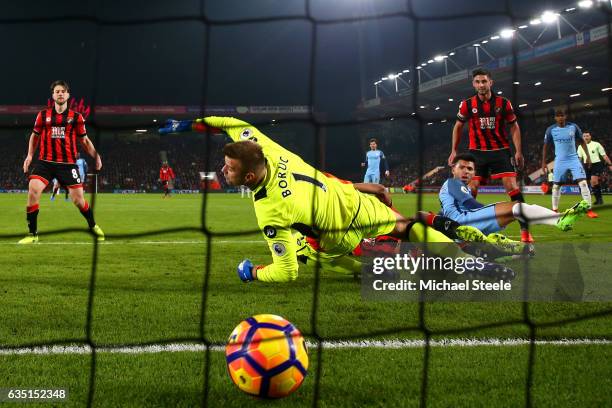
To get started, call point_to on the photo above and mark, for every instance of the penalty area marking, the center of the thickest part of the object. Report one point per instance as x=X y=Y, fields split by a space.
x=328 y=345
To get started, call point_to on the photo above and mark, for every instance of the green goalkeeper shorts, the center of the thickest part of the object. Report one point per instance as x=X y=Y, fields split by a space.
x=373 y=219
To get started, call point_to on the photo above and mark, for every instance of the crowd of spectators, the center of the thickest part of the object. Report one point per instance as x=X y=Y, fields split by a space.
x=133 y=162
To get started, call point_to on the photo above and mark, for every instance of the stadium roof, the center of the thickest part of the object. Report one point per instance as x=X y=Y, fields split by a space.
x=555 y=67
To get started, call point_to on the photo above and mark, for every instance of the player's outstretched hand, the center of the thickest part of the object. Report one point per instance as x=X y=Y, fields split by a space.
x=245 y=270
x=451 y=158
x=519 y=160
x=175 y=126
x=26 y=164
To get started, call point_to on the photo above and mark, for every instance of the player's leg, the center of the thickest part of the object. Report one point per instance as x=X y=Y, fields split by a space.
x=579 y=175
x=55 y=189
x=596 y=189
x=68 y=176
x=35 y=189
x=78 y=198
x=514 y=192
x=558 y=172
x=376 y=178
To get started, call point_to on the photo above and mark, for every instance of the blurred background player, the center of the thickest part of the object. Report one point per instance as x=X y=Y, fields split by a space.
x=56 y=188
x=596 y=153
x=487 y=116
x=372 y=163
x=166 y=176
x=55 y=134
x=460 y=206
x=82 y=165
x=245 y=192
x=563 y=136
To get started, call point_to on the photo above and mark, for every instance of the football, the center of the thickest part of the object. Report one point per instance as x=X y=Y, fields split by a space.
x=266 y=356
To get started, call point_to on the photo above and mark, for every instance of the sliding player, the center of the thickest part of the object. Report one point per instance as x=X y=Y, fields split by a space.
x=459 y=205
x=289 y=194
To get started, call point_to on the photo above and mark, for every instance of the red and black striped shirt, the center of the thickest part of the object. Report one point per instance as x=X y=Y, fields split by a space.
x=487 y=121
x=166 y=173
x=58 y=133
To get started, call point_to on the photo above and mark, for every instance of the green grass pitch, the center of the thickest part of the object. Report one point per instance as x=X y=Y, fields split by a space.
x=148 y=289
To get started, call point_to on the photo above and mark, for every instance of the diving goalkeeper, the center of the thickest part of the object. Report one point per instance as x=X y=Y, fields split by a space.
x=289 y=194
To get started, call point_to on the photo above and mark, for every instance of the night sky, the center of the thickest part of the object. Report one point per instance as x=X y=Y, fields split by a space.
x=263 y=63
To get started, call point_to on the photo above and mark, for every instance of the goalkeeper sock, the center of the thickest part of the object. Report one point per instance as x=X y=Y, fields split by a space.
x=534 y=214
x=88 y=214
x=32 y=217
x=443 y=224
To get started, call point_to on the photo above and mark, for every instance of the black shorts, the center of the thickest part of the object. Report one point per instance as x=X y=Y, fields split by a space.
x=493 y=163
x=67 y=174
x=596 y=169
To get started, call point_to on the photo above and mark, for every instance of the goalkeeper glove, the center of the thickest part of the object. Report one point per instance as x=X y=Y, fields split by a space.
x=245 y=270
x=175 y=126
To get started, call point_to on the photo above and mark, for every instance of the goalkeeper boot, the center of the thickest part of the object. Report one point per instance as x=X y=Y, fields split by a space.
x=492 y=271
x=470 y=234
x=506 y=244
x=569 y=217
x=97 y=231
x=29 y=239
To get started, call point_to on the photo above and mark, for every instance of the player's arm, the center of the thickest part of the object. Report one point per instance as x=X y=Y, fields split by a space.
x=462 y=197
x=602 y=153
x=236 y=129
x=91 y=150
x=88 y=146
x=515 y=131
x=456 y=139
x=547 y=140
x=384 y=160
x=284 y=266
x=462 y=117
x=376 y=189
x=32 y=143
x=582 y=143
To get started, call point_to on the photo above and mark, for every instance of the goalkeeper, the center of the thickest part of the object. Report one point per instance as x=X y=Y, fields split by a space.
x=289 y=194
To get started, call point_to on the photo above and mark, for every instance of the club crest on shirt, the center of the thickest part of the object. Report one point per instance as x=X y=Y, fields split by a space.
x=497 y=109
x=69 y=120
x=474 y=110
x=465 y=190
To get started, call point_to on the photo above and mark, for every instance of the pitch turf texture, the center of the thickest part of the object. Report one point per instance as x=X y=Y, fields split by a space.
x=148 y=289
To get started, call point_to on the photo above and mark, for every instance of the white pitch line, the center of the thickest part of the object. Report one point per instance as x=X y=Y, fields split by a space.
x=328 y=345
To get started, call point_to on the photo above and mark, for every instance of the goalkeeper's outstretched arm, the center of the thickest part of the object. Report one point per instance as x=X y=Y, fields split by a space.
x=236 y=129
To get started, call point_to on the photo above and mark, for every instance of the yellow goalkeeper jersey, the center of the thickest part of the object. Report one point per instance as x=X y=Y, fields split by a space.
x=294 y=195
